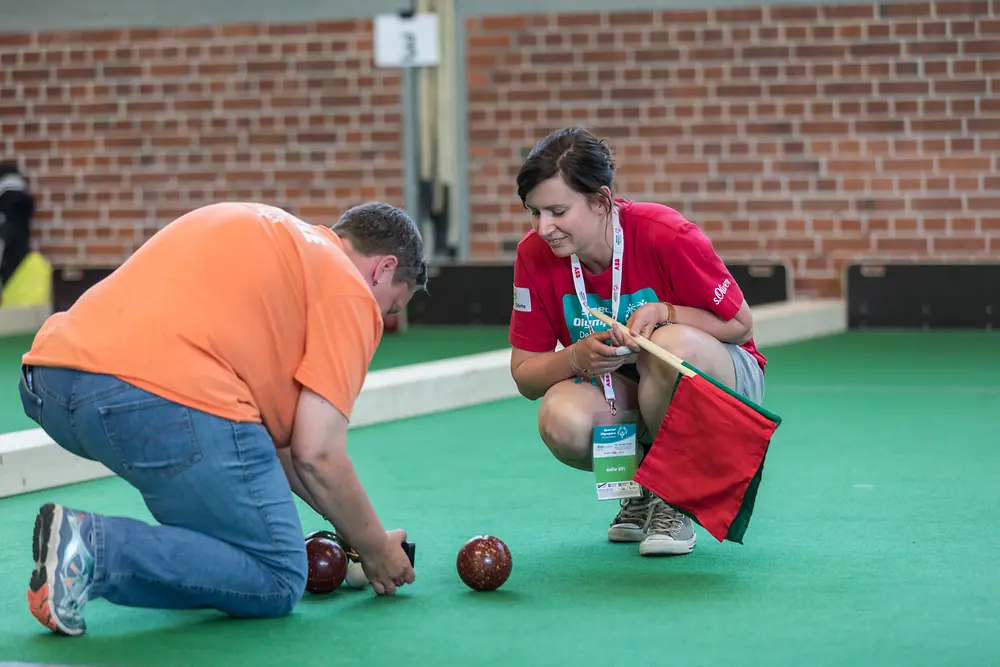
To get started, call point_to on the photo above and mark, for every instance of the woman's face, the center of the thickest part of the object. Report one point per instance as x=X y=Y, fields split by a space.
x=564 y=218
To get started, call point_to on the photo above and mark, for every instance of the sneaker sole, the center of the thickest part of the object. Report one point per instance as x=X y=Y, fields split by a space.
x=666 y=547
x=625 y=534
x=45 y=551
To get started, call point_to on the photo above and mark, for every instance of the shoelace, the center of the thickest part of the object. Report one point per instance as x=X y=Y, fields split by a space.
x=664 y=519
x=634 y=510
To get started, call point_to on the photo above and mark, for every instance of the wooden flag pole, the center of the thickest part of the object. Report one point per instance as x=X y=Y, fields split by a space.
x=671 y=359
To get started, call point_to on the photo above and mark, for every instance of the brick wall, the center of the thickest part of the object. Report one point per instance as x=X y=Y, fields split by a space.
x=816 y=135
x=122 y=130
x=813 y=135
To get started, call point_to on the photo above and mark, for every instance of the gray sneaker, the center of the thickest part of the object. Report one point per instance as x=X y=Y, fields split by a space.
x=668 y=532
x=630 y=524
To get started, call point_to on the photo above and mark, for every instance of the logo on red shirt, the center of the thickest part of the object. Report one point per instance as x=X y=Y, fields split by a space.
x=720 y=291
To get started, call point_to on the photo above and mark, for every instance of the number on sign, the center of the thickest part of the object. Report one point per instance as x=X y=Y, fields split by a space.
x=406 y=41
x=409 y=47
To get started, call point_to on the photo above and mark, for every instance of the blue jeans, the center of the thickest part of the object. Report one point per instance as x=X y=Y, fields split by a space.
x=229 y=536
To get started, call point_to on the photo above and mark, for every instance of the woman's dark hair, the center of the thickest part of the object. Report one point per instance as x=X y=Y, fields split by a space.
x=377 y=228
x=583 y=161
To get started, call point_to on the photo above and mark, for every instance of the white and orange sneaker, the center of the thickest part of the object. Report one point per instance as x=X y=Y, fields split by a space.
x=64 y=569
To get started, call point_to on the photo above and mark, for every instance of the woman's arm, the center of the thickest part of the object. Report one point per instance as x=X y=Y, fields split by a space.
x=708 y=295
x=737 y=330
x=535 y=372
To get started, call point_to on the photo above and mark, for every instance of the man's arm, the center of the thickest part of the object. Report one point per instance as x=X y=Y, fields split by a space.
x=298 y=487
x=318 y=460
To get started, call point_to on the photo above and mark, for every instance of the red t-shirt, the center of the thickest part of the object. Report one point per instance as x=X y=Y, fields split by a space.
x=666 y=258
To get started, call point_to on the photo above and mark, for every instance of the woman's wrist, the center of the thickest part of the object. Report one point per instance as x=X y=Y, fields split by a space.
x=574 y=365
x=668 y=314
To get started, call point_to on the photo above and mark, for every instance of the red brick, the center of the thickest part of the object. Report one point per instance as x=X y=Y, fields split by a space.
x=984 y=203
x=974 y=86
x=962 y=8
x=504 y=22
x=962 y=244
x=967 y=163
x=803 y=14
x=941 y=48
x=903 y=9
x=981 y=46
x=631 y=18
x=858 y=11
x=847 y=243
x=750 y=14
x=902 y=245
x=578 y=20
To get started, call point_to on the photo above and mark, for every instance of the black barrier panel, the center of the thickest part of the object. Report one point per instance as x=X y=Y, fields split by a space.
x=761 y=283
x=462 y=293
x=68 y=285
x=483 y=293
x=924 y=296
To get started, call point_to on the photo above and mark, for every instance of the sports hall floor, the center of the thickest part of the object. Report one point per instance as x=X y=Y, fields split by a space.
x=875 y=538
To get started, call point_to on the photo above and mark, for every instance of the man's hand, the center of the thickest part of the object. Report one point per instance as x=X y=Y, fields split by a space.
x=318 y=454
x=389 y=567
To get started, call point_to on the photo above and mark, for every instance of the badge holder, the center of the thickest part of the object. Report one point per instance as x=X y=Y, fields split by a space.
x=615 y=462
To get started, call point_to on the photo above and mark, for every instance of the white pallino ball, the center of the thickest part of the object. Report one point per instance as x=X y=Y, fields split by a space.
x=356 y=577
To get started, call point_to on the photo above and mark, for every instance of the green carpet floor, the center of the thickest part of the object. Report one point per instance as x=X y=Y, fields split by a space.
x=432 y=343
x=873 y=541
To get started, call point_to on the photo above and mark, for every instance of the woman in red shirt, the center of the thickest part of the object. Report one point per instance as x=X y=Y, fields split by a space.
x=647 y=267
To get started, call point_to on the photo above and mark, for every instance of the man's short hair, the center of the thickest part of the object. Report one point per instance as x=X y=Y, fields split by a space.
x=377 y=228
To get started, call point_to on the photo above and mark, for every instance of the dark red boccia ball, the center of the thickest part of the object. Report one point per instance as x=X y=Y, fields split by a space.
x=327 y=565
x=484 y=563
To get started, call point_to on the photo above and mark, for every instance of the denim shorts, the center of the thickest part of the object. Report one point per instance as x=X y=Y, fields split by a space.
x=749 y=374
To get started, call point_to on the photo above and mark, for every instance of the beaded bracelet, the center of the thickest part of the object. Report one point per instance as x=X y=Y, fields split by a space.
x=572 y=362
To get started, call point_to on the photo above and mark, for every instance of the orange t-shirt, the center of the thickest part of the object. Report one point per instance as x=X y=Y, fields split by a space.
x=229 y=309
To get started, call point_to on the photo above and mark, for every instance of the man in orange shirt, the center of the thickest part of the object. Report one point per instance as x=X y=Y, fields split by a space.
x=215 y=370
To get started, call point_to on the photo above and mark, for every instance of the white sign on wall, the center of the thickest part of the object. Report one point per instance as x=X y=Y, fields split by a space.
x=406 y=42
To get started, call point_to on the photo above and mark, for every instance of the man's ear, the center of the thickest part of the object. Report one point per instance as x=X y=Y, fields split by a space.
x=385 y=268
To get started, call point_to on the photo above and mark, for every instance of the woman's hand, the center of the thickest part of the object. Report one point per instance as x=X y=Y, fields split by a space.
x=593 y=357
x=645 y=318
x=642 y=323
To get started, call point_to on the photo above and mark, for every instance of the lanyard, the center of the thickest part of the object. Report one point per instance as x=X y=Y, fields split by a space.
x=616 y=289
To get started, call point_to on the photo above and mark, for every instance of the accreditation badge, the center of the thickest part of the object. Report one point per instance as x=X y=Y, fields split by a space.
x=615 y=462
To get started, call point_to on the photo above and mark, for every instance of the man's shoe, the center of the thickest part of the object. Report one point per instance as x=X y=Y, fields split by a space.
x=64 y=569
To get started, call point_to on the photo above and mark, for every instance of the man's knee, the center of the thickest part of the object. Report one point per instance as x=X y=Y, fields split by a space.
x=565 y=426
x=289 y=584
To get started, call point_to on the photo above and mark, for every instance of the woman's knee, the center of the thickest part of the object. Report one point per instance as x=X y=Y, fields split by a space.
x=692 y=345
x=680 y=340
x=565 y=426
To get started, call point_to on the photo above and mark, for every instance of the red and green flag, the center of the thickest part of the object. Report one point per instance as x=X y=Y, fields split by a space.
x=707 y=459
